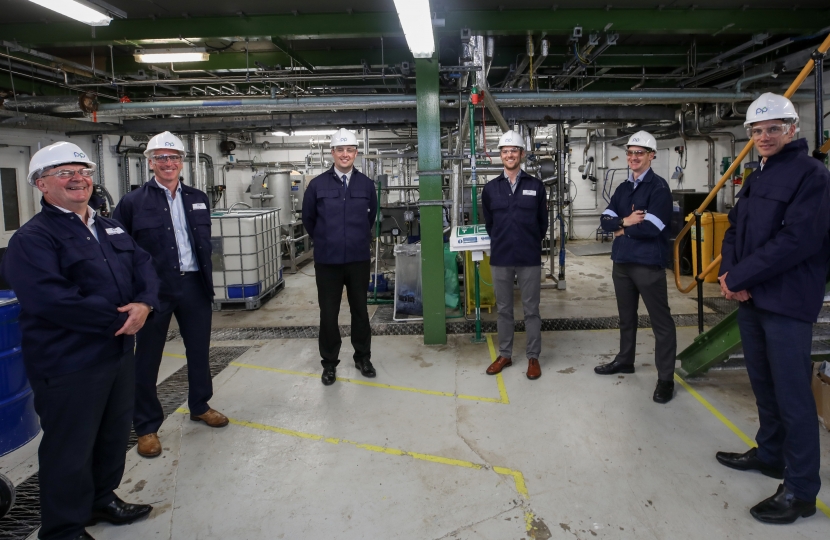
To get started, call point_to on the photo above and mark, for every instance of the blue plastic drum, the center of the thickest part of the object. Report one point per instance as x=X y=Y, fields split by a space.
x=18 y=421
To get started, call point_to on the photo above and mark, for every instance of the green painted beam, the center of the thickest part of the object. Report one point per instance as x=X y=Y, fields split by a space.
x=432 y=217
x=711 y=347
x=338 y=25
x=282 y=45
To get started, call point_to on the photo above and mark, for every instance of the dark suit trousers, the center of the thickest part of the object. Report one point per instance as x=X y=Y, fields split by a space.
x=86 y=418
x=777 y=350
x=330 y=281
x=631 y=281
x=194 y=312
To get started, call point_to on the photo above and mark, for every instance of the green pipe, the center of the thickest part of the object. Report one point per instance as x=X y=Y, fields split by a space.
x=474 y=197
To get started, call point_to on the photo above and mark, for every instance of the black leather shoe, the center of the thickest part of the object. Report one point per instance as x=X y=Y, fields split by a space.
x=664 y=391
x=782 y=508
x=329 y=376
x=613 y=367
x=366 y=368
x=748 y=461
x=83 y=536
x=119 y=512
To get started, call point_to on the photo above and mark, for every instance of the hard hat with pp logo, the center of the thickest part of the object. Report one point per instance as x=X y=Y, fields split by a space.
x=644 y=139
x=60 y=153
x=164 y=141
x=511 y=138
x=343 y=137
x=770 y=107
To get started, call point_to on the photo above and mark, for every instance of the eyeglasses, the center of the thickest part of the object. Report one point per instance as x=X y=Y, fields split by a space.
x=344 y=150
x=775 y=130
x=638 y=153
x=172 y=158
x=66 y=174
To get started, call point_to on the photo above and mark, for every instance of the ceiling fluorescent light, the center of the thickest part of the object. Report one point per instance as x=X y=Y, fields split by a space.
x=166 y=56
x=280 y=134
x=417 y=26
x=76 y=9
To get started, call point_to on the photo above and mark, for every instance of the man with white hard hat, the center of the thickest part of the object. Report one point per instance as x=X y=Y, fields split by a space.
x=516 y=218
x=85 y=289
x=339 y=208
x=639 y=214
x=775 y=256
x=172 y=222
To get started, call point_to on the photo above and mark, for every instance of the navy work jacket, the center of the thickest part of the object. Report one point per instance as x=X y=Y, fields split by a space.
x=647 y=242
x=69 y=286
x=147 y=217
x=777 y=246
x=339 y=219
x=516 y=222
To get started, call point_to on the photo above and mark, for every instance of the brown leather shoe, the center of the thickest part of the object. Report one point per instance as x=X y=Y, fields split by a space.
x=534 y=370
x=211 y=418
x=500 y=363
x=149 y=445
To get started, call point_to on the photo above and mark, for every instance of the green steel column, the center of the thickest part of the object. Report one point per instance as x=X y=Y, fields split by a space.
x=432 y=223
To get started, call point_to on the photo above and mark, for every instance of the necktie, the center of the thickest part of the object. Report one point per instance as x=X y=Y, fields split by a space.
x=345 y=184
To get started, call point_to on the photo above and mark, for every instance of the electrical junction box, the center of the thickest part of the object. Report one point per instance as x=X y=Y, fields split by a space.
x=470 y=238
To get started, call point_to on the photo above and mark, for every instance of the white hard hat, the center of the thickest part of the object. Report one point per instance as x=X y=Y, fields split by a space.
x=60 y=153
x=343 y=137
x=644 y=139
x=511 y=138
x=770 y=107
x=164 y=141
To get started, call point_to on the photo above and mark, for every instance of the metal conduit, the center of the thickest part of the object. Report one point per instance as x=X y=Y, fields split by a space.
x=259 y=105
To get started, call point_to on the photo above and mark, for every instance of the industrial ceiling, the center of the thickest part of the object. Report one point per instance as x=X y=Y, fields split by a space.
x=316 y=49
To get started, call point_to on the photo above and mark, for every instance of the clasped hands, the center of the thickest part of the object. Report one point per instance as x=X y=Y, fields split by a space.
x=636 y=217
x=740 y=296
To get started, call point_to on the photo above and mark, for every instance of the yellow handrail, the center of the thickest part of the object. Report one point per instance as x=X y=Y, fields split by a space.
x=805 y=72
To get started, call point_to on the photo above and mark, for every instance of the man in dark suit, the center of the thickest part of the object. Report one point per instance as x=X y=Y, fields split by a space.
x=775 y=256
x=85 y=289
x=172 y=222
x=339 y=208
x=639 y=214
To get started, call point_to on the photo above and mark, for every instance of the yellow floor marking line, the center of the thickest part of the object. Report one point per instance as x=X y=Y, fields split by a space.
x=175 y=355
x=735 y=429
x=499 y=378
x=380 y=385
x=518 y=477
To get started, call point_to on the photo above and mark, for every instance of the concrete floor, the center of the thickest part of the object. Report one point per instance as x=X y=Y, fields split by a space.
x=433 y=448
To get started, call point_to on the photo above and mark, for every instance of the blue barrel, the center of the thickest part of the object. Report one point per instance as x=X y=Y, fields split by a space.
x=18 y=421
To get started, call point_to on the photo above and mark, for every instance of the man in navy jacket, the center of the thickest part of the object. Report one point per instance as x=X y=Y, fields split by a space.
x=516 y=218
x=775 y=257
x=85 y=288
x=172 y=222
x=638 y=215
x=339 y=208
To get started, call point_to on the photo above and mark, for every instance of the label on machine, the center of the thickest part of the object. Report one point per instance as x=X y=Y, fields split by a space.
x=469 y=238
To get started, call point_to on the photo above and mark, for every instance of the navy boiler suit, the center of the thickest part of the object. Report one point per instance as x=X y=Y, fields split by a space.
x=778 y=249
x=640 y=256
x=516 y=222
x=339 y=220
x=83 y=377
x=146 y=215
